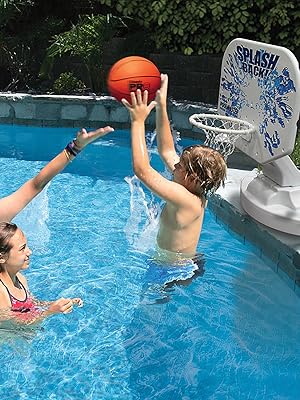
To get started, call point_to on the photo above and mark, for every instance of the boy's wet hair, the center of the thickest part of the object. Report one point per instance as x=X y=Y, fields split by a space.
x=206 y=167
x=7 y=231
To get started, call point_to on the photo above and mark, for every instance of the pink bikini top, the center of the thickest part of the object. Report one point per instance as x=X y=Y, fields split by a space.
x=22 y=306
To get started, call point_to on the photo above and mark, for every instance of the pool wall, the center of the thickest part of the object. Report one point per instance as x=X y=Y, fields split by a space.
x=93 y=111
x=87 y=111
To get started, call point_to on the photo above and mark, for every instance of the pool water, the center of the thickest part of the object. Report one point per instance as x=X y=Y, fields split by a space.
x=230 y=333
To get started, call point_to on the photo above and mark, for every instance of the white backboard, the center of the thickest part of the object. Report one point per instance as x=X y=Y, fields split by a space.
x=260 y=83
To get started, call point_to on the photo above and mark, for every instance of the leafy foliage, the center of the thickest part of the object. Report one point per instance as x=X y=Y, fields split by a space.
x=21 y=53
x=10 y=9
x=67 y=83
x=188 y=27
x=295 y=156
x=86 y=40
x=194 y=27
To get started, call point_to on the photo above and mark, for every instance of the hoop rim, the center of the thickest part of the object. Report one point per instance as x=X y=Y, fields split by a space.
x=202 y=125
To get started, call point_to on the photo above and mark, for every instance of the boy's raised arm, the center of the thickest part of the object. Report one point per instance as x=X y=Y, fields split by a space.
x=165 y=141
x=158 y=184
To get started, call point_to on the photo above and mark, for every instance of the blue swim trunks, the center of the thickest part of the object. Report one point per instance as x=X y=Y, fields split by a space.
x=160 y=272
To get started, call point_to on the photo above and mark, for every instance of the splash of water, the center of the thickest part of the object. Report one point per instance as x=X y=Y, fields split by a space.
x=142 y=225
x=33 y=221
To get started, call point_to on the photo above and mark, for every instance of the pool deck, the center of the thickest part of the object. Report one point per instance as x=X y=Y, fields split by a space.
x=282 y=248
x=92 y=111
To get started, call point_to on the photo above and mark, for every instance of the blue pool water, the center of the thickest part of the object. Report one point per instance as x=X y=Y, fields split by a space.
x=232 y=333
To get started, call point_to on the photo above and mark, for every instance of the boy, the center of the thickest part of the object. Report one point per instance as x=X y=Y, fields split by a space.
x=197 y=172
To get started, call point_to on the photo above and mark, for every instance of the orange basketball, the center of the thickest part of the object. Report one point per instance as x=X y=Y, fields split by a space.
x=132 y=73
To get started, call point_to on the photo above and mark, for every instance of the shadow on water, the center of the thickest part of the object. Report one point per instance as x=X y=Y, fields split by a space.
x=157 y=343
x=266 y=330
x=150 y=337
x=233 y=334
x=18 y=337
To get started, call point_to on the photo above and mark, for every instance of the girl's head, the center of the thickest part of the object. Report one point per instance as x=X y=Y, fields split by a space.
x=204 y=167
x=13 y=247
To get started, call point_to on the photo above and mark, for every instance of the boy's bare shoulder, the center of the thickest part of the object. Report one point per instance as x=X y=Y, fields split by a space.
x=188 y=200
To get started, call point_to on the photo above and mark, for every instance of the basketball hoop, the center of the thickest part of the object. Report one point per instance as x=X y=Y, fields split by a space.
x=222 y=131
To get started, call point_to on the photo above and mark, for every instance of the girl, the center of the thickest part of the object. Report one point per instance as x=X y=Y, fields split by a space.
x=16 y=302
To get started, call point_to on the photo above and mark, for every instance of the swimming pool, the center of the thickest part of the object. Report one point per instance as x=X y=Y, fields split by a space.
x=232 y=333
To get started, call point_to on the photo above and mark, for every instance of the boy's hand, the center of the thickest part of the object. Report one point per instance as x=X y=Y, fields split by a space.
x=83 y=137
x=139 y=109
x=161 y=94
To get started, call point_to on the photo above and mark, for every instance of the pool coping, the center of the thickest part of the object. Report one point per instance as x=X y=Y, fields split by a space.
x=281 y=248
x=96 y=111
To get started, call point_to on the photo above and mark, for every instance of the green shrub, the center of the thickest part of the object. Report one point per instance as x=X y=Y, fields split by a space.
x=295 y=156
x=22 y=53
x=11 y=9
x=67 y=83
x=86 y=40
x=193 y=27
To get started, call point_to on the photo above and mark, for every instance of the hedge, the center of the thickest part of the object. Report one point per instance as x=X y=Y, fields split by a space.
x=196 y=27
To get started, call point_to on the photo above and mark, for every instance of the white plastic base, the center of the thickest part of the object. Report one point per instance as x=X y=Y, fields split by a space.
x=274 y=206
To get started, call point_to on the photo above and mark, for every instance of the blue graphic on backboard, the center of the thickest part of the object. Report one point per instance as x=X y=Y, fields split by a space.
x=243 y=67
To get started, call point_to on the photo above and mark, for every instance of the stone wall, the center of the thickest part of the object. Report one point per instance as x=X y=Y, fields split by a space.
x=89 y=111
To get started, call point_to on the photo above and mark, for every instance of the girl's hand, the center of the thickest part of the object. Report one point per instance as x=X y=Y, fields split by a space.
x=64 y=306
x=139 y=109
x=78 y=301
x=83 y=137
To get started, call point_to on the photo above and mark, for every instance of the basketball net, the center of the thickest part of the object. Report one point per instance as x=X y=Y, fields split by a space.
x=221 y=131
